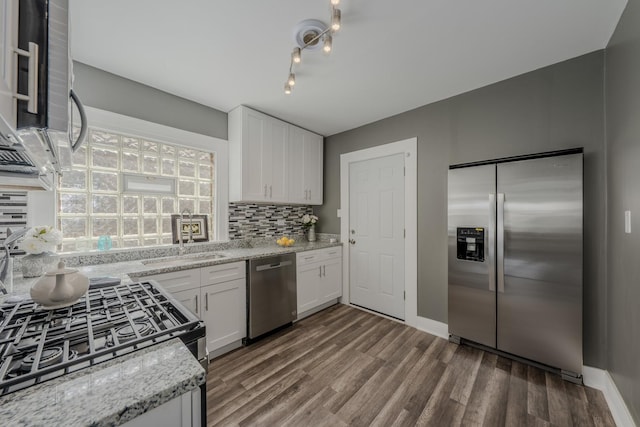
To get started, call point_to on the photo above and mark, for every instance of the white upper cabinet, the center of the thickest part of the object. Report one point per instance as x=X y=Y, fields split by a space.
x=257 y=157
x=8 y=42
x=305 y=171
x=272 y=161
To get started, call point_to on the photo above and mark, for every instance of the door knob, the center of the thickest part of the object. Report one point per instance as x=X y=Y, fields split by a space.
x=352 y=241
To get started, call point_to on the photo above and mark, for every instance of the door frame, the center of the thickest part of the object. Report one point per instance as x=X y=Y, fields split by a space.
x=409 y=147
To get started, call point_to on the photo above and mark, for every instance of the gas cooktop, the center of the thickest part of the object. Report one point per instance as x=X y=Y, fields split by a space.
x=37 y=345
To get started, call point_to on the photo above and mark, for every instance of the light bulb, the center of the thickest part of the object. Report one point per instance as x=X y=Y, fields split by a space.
x=327 y=43
x=335 y=19
x=292 y=79
x=296 y=56
x=335 y=2
x=287 y=89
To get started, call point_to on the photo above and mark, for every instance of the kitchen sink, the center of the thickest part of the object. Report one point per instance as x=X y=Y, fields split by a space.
x=183 y=259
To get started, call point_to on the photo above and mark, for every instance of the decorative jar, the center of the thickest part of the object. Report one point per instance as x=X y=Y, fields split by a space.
x=311 y=234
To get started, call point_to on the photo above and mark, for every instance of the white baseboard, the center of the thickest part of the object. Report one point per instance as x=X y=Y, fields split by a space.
x=432 y=327
x=601 y=380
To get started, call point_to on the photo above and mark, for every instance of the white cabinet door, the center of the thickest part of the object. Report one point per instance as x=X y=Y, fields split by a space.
x=261 y=169
x=8 y=66
x=319 y=276
x=274 y=161
x=331 y=284
x=308 y=286
x=305 y=160
x=313 y=154
x=254 y=132
x=190 y=299
x=297 y=186
x=181 y=411
x=224 y=312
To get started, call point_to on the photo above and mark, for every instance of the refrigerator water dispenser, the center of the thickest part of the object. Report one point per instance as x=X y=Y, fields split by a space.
x=470 y=243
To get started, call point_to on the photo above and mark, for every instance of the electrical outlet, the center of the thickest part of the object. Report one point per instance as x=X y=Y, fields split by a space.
x=627 y=222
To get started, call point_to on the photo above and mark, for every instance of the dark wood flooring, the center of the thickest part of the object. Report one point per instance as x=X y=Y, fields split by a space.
x=344 y=367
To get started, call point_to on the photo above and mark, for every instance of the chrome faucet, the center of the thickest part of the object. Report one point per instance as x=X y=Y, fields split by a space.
x=181 y=248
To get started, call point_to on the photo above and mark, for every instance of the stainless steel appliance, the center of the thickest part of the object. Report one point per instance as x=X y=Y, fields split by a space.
x=43 y=142
x=37 y=345
x=271 y=297
x=515 y=257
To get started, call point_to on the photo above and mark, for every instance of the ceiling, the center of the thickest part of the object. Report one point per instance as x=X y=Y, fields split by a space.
x=389 y=56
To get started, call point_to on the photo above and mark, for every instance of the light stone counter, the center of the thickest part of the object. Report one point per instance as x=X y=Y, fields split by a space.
x=108 y=394
x=135 y=269
x=119 y=390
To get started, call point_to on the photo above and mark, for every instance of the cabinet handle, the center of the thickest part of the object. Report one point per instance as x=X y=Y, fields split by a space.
x=196 y=304
x=265 y=190
x=270 y=192
x=206 y=301
x=309 y=194
x=320 y=271
x=305 y=194
x=32 y=91
x=324 y=270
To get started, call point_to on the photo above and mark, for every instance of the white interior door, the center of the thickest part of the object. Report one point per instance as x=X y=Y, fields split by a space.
x=376 y=234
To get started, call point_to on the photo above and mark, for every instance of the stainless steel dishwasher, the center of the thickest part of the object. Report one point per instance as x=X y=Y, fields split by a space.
x=271 y=295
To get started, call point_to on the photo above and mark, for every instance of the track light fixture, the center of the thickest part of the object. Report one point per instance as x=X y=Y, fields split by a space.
x=308 y=34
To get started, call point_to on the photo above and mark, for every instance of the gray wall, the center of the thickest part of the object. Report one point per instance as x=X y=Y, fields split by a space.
x=106 y=91
x=553 y=108
x=622 y=89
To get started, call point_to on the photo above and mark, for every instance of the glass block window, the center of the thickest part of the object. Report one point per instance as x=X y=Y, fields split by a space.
x=92 y=203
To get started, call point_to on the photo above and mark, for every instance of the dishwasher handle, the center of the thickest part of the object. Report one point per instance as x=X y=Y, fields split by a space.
x=273 y=266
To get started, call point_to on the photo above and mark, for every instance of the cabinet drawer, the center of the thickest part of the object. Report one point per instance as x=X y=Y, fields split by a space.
x=177 y=280
x=333 y=252
x=310 y=257
x=222 y=273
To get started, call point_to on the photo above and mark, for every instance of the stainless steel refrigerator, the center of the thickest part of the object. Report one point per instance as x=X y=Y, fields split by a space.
x=515 y=257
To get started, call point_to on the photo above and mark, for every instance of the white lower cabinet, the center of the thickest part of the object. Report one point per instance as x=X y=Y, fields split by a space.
x=224 y=312
x=319 y=279
x=182 y=411
x=308 y=279
x=190 y=299
x=217 y=295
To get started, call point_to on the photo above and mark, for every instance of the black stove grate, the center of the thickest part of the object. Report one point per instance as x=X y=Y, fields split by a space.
x=37 y=345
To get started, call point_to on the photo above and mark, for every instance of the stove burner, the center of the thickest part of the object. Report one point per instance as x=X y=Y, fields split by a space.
x=118 y=307
x=50 y=356
x=128 y=332
x=126 y=317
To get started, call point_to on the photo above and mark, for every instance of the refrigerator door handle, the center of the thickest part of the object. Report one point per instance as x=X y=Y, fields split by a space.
x=500 y=242
x=491 y=243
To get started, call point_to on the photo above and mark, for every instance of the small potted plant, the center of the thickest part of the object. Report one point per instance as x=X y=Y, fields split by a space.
x=40 y=245
x=309 y=222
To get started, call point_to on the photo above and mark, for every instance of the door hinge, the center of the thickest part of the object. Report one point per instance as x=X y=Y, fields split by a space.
x=404 y=295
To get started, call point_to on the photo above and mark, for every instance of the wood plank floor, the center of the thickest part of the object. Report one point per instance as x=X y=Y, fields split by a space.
x=345 y=367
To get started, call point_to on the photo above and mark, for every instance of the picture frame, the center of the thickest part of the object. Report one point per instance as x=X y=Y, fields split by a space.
x=199 y=227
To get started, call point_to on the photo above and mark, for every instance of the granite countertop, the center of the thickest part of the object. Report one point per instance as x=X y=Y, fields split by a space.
x=136 y=269
x=121 y=389
x=107 y=394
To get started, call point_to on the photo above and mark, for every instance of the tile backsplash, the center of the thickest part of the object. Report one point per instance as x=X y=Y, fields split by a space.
x=250 y=220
